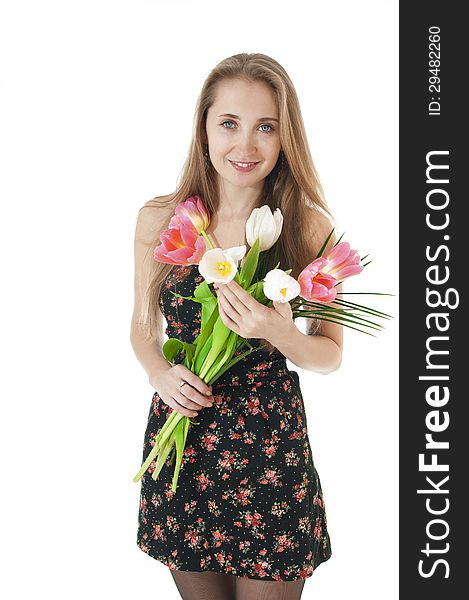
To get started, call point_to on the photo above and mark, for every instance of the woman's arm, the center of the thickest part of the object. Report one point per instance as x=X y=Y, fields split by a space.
x=150 y=357
x=149 y=354
x=322 y=352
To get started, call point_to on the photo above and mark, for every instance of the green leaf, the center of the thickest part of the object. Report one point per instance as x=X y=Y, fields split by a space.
x=209 y=301
x=345 y=317
x=185 y=297
x=203 y=290
x=202 y=354
x=206 y=333
x=171 y=348
x=348 y=304
x=233 y=361
x=160 y=442
x=162 y=455
x=249 y=267
x=180 y=439
x=325 y=244
x=223 y=359
x=340 y=312
x=338 y=241
x=220 y=335
x=364 y=308
x=266 y=259
x=190 y=351
x=345 y=325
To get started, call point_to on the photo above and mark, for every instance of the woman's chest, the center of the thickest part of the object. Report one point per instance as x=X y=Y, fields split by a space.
x=228 y=235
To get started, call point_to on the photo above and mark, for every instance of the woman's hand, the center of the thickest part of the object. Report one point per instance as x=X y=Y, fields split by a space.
x=247 y=317
x=190 y=398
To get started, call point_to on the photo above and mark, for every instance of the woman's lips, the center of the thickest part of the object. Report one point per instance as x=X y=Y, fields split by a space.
x=244 y=169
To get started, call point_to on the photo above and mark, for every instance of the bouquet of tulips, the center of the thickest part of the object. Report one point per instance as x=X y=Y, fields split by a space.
x=312 y=295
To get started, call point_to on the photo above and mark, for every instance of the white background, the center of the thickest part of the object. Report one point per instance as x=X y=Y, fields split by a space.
x=97 y=103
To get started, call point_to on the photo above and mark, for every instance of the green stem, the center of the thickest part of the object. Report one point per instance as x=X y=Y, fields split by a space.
x=207 y=239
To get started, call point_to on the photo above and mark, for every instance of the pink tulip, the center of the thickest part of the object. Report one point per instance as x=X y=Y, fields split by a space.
x=192 y=212
x=180 y=246
x=319 y=278
x=181 y=243
x=343 y=262
x=315 y=285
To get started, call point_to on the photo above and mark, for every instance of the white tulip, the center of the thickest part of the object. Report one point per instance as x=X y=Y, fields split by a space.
x=265 y=226
x=280 y=287
x=220 y=266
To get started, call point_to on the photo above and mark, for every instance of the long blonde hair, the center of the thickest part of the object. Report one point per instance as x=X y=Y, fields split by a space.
x=294 y=188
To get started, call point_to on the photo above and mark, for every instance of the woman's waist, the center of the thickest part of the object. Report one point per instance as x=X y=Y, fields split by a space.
x=253 y=369
x=257 y=365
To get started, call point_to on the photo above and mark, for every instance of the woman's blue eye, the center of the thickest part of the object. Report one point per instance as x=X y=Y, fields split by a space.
x=263 y=125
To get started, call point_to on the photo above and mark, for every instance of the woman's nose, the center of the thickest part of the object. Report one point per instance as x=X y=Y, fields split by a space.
x=246 y=145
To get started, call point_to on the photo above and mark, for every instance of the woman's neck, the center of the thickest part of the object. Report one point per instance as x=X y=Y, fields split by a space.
x=236 y=203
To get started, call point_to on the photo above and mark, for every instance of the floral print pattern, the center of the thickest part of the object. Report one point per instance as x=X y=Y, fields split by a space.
x=249 y=499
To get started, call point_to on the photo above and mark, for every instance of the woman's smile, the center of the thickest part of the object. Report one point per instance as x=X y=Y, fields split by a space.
x=242 y=166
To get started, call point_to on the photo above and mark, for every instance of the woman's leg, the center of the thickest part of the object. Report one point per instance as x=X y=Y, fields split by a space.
x=256 y=589
x=206 y=585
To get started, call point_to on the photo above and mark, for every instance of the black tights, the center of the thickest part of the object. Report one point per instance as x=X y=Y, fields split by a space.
x=208 y=585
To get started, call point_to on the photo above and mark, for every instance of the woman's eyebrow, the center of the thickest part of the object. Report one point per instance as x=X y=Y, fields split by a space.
x=236 y=117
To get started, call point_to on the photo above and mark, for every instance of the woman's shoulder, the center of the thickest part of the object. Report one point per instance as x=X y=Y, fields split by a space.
x=159 y=203
x=319 y=226
x=152 y=216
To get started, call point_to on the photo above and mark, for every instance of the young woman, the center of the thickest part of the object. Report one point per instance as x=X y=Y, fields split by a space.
x=248 y=519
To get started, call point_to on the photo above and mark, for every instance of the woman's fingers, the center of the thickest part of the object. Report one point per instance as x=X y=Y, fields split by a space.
x=195 y=381
x=181 y=409
x=191 y=398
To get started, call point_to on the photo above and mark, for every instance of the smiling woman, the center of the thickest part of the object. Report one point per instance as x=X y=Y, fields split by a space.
x=250 y=504
x=242 y=142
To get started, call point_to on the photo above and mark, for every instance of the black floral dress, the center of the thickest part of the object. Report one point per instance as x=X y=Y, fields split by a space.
x=249 y=499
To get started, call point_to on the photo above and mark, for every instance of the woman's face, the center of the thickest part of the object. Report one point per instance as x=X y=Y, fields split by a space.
x=242 y=125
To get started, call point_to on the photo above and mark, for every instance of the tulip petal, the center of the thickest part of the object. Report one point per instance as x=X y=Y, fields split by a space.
x=188 y=223
x=280 y=287
x=348 y=271
x=200 y=249
x=179 y=256
x=278 y=218
x=322 y=293
x=193 y=213
x=188 y=234
x=325 y=279
x=314 y=267
x=337 y=255
x=236 y=252
x=171 y=238
x=175 y=222
x=264 y=226
x=217 y=266
x=266 y=230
